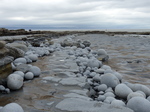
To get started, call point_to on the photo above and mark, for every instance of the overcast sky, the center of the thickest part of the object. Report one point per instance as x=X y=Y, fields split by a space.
x=100 y=14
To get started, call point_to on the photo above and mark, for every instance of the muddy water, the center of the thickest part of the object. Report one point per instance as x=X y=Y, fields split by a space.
x=128 y=55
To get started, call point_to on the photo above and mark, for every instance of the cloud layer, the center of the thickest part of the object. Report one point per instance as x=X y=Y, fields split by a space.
x=98 y=14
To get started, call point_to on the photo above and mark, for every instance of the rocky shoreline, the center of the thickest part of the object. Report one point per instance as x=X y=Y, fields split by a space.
x=100 y=88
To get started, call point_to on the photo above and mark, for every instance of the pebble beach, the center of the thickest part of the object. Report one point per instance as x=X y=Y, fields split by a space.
x=77 y=73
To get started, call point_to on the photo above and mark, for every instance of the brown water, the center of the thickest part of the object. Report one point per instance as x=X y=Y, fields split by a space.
x=128 y=55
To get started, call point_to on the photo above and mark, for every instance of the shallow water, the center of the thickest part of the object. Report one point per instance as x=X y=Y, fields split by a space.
x=128 y=55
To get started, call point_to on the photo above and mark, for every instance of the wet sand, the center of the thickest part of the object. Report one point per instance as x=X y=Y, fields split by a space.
x=129 y=55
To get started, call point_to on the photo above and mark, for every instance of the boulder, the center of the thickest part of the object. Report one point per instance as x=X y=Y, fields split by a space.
x=20 y=61
x=122 y=91
x=134 y=94
x=110 y=80
x=23 y=67
x=33 y=57
x=139 y=104
x=19 y=73
x=117 y=103
x=35 y=70
x=12 y=107
x=14 y=81
x=29 y=76
x=102 y=55
x=94 y=63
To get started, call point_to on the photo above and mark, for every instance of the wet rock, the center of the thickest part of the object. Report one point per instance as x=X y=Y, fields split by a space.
x=122 y=91
x=29 y=76
x=117 y=103
x=86 y=43
x=134 y=94
x=19 y=73
x=102 y=55
x=94 y=63
x=20 y=61
x=35 y=70
x=14 y=81
x=22 y=67
x=76 y=104
x=12 y=107
x=139 y=104
x=33 y=57
x=18 y=45
x=110 y=80
x=2 y=44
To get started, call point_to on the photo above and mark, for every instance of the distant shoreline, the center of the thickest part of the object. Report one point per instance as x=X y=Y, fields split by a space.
x=7 y=32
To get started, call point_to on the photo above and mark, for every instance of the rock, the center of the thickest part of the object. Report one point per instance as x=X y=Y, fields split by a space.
x=4 y=52
x=97 y=78
x=6 y=60
x=2 y=88
x=15 y=52
x=94 y=63
x=82 y=105
x=139 y=87
x=23 y=67
x=134 y=94
x=2 y=44
x=117 y=103
x=148 y=98
x=33 y=57
x=118 y=75
x=102 y=87
x=109 y=94
x=18 y=45
x=101 y=98
x=100 y=71
x=122 y=91
x=29 y=76
x=139 y=104
x=20 y=61
x=86 y=43
x=102 y=55
x=19 y=73
x=7 y=90
x=35 y=70
x=12 y=107
x=14 y=81
x=110 y=80
x=109 y=99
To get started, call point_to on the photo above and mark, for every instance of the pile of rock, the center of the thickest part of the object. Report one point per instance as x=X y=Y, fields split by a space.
x=105 y=85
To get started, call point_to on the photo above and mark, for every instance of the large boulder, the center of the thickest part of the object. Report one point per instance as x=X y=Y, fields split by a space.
x=12 y=107
x=14 y=81
x=122 y=91
x=110 y=80
x=139 y=104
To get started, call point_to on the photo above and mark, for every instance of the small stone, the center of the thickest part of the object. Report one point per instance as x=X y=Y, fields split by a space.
x=117 y=103
x=35 y=70
x=101 y=98
x=33 y=57
x=2 y=88
x=102 y=87
x=23 y=67
x=110 y=80
x=29 y=76
x=109 y=94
